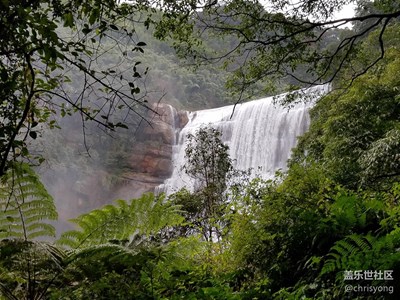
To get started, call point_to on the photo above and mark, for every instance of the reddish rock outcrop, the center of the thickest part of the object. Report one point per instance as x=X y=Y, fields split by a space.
x=147 y=165
x=150 y=162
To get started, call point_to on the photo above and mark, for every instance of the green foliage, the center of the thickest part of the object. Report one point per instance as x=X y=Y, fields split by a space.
x=189 y=271
x=44 y=43
x=207 y=159
x=28 y=269
x=209 y=165
x=298 y=234
x=376 y=248
x=107 y=267
x=360 y=252
x=353 y=134
x=25 y=206
x=144 y=216
x=145 y=271
x=282 y=44
x=348 y=254
x=287 y=227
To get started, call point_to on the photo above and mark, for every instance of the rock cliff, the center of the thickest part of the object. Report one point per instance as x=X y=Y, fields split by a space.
x=150 y=161
x=146 y=163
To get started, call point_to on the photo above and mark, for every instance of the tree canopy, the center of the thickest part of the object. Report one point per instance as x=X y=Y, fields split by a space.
x=280 y=39
x=354 y=134
x=44 y=43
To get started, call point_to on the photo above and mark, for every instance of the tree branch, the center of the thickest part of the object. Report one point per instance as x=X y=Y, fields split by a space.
x=27 y=107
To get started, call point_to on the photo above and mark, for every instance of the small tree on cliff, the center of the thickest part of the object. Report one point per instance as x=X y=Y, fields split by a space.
x=209 y=164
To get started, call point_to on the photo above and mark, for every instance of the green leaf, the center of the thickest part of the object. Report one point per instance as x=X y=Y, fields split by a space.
x=33 y=134
x=68 y=20
x=121 y=125
x=25 y=205
x=94 y=16
x=114 y=27
x=24 y=151
x=122 y=221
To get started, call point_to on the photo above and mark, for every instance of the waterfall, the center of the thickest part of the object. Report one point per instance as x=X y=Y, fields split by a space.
x=260 y=135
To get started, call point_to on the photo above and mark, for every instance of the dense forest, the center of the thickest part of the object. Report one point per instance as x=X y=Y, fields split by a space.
x=327 y=228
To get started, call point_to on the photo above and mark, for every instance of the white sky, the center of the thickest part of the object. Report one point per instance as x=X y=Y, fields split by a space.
x=346 y=12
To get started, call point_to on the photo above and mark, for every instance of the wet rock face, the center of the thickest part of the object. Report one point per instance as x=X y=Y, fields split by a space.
x=145 y=165
x=151 y=154
x=149 y=162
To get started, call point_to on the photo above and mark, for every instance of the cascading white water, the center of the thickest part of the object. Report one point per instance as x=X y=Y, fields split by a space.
x=260 y=135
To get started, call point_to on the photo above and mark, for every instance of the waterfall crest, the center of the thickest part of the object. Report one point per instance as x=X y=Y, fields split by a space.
x=260 y=135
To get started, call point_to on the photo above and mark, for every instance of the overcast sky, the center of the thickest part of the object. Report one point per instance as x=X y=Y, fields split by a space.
x=346 y=12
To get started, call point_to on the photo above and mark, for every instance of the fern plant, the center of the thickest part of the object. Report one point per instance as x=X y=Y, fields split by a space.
x=349 y=254
x=114 y=243
x=27 y=266
x=28 y=270
x=123 y=221
x=25 y=205
x=362 y=232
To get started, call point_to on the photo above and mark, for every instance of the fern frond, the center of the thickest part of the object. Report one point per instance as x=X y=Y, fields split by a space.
x=345 y=254
x=101 y=251
x=122 y=221
x=363 y=242
x=25 y=205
